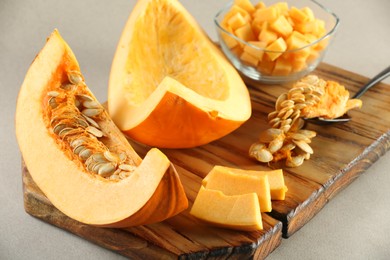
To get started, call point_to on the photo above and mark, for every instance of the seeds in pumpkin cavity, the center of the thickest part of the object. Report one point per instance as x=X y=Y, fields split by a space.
x=106 y=169
x=122 y=157
x=75 y=77
x=111 y=157
x=85 y=154
x=64 y=131
x=91 y=104
x=53 y=93
x=77 y=103
x=94 y=131
x=124 y=174
x=127 y=167
x=78 y=149
x=53 y=102
x=57 y=129
x=91 y=121
x=82 y=122
x=68 y=86
x=84 y=97
x=77 y=142
x=90 y=112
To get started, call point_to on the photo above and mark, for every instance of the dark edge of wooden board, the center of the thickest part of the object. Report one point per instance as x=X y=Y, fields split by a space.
x=128 y=244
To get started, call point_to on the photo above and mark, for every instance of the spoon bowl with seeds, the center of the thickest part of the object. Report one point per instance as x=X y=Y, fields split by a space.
x=346 y=118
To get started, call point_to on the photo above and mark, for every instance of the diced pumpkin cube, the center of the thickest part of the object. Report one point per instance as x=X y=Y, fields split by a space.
x=309 y=13
x=236 y=9
x=260 y=5
x=319 y=28
x=229 y=40
x=312 y=56
x=249 y=59
x=245 y=32
x=266 y=65
x=321 y=45
x=282 y=26
x=267 y=35
x=237 y=50
x=276 y=48
x=282 y=7
x=258 y=53
x=296 y=40
x=246 y=5
x=266 y=14
x=304 y=28
x=282 y=68
x=236 y=21
x=298 y=64
x=298 y=15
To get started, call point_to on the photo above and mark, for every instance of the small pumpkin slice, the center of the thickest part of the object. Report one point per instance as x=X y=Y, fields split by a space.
x=275 y=178
x=172 y=87
x=240 y=212
x=231 y=183
x=79 y=158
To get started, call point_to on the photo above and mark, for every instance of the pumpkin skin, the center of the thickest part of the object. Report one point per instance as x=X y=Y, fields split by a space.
x=172 y=87
x=152 y=193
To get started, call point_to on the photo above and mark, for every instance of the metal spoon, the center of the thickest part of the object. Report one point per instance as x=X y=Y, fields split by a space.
x=345 y=118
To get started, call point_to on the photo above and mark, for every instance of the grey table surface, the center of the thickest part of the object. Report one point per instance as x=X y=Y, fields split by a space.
x=354 y=225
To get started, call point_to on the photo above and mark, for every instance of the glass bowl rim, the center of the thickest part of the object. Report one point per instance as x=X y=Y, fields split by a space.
x=330 y=32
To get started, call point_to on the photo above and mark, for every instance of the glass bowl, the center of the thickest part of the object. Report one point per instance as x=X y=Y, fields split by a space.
x=274 y=66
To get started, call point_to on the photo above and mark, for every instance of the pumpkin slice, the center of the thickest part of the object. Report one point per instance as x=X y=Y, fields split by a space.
x=79 y=158
x=172 y=87
x=240 y=212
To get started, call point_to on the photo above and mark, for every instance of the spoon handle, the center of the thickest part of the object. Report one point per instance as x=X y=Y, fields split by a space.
x=381 y=76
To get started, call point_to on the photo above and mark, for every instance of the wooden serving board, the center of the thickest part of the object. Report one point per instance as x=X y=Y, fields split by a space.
x=341 y=153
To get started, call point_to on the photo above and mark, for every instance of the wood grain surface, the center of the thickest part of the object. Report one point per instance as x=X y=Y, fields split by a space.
x=341 y=153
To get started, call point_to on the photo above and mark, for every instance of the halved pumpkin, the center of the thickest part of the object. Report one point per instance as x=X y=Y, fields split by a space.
x=79 y=158
x=170 y=86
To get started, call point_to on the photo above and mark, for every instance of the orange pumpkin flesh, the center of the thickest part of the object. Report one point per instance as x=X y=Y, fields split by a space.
x=171 y=87
x=152 y=192
x=333 y=103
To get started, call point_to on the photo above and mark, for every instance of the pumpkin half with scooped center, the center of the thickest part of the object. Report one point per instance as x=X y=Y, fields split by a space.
x=79 y=158
x=170 y=86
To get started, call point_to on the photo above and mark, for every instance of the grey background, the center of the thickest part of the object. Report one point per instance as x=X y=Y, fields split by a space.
x=354 y=225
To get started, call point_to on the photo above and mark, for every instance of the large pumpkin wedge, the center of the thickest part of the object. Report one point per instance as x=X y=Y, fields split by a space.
x=170 y=86
x=79 y=158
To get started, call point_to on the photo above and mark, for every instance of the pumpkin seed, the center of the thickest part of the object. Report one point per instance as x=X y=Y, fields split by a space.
x=84 y=97
x=57 y=129
x=94 y=131
x=53 y=93
x=91 y=121
x=295 y=161
x=85 y=154
x=68 y=86
x=91 y=104
x=122 y=157
x=78 y=149
x=52 y=102
x=106 y=169
x=303 y=145
x=90 y=112
x=75 y=77
x=127 y=167
x=111 y=157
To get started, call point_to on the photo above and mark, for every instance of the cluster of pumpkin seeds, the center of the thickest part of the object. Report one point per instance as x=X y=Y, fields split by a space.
x=286 y=139
x=74 y=115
